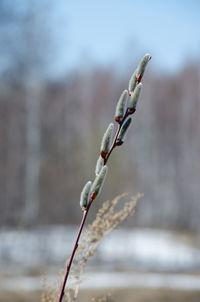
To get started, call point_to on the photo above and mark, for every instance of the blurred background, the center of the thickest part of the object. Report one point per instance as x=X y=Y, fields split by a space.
x=63 y=66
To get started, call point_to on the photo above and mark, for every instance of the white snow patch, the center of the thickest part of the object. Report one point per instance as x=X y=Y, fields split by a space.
x=109 y=280
x=139 y=280
x=150 y=249
x=124 y=249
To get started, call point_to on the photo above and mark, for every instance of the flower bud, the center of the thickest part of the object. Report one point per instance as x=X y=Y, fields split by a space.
x=134 y=98
x=132 y=83
x=98 y=183
x=106 y=140
x=99 y=165
x=123 y=131
x=141 y=67
x=119 y=113
x=84 y=198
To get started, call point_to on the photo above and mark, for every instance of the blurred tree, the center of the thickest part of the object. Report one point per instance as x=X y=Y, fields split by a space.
x=50 y=132
x=27 y=46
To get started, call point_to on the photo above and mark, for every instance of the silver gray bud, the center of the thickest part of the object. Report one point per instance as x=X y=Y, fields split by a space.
x=84 y=198
x=119 y=113
x=123 y=131
x=135 y=97
x=141 y=67
x=106 y=140
x=99 y=165
x=98 y=182
x=132 y=83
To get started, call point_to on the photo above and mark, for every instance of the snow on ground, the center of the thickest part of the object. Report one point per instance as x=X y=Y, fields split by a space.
x=103 y=280
x=150 y=249
x=141 y=280
x=124 y=249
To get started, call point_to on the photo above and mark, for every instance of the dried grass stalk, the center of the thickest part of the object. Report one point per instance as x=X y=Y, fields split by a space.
x=108 y=218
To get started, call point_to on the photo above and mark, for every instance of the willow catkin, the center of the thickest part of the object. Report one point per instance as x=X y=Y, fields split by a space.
x=134 y=98
x=141 y=67
x=84 y=198
x=106 y=140
x=98 y=182
x=123 y=131
x=99 y=165
x=132 y=83
x=120 y=108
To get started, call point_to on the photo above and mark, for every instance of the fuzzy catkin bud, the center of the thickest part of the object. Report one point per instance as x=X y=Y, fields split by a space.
x=132 y=83
x=98 y=182
x=134 y=98
x=106 y=140
x=99 y=165
x=123 y=131
x=119 y=113
x=85 y=195
x=141 y=67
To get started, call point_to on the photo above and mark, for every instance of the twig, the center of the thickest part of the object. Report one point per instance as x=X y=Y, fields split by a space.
x=74 y=251
x=85 y=213
x=123 y=124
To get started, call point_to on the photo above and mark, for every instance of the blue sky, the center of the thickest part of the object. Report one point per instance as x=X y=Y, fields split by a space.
x=87 y=33
x=104 y=32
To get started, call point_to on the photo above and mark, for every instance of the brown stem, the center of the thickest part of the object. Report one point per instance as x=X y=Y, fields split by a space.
x=74 y=251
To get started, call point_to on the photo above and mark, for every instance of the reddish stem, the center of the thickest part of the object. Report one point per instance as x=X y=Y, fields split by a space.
x=74 y=250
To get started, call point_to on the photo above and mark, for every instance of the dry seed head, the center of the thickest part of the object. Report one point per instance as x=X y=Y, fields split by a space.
x=98 y=182
x=141 y=67
x=106 y=140
x=99 y=165
x=84 y=198
x=123 y=131
x=119 y=113
x=135 y=97
x=132 y=83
